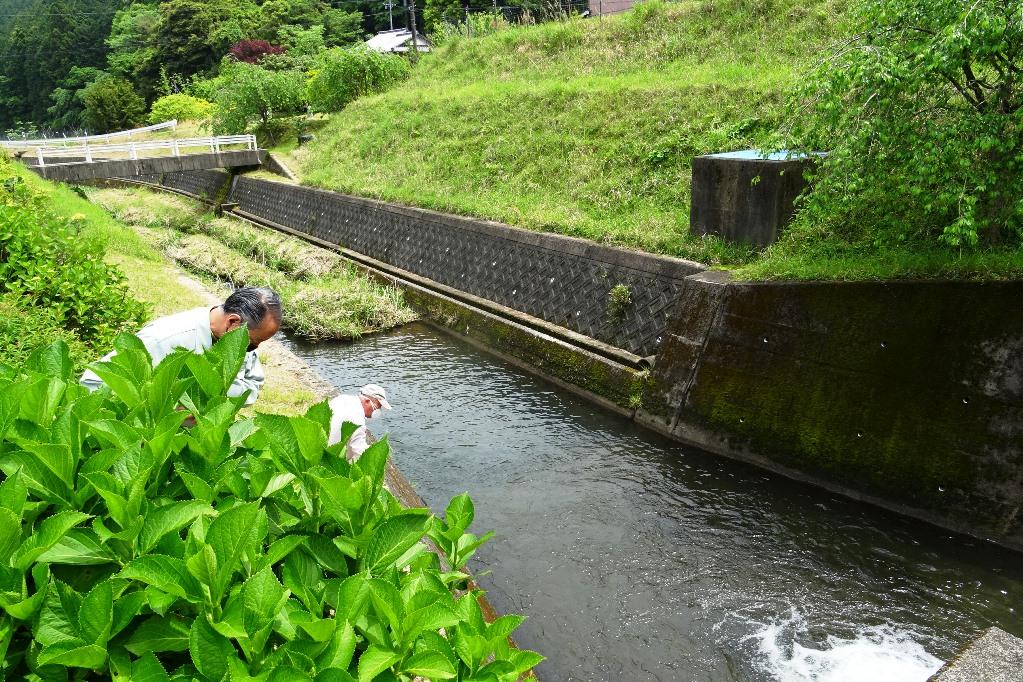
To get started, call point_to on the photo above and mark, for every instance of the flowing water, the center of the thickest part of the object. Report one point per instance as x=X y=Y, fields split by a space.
x=636 y=558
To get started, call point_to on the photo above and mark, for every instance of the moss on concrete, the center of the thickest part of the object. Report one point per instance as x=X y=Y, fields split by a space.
x=909 y=392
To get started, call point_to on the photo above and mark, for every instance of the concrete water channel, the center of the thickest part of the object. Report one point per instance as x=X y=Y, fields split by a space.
x=637 y=558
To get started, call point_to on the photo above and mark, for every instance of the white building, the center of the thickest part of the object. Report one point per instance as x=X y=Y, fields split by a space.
x=398 y=40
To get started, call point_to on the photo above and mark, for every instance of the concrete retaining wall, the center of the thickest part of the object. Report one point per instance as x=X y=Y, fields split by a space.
x=906 y=394
x=561 y=280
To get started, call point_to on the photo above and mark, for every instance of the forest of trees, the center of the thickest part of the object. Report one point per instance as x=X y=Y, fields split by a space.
x=58 y=55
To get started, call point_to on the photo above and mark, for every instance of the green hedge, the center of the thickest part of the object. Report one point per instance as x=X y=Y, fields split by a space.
x=134 y=548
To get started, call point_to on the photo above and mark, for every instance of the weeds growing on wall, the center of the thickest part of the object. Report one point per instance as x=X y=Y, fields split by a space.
x=132 y=548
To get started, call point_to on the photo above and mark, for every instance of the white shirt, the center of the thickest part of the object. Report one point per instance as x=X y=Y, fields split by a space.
x=189 y=330
x=348 y=408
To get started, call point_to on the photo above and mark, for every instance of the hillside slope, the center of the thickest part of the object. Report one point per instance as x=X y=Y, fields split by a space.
x=586 y=127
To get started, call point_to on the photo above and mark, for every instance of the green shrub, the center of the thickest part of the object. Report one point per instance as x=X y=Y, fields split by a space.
x=345 y=75
x=45 y=262
x=25 y=328
x=180 y=107
x=241 y=549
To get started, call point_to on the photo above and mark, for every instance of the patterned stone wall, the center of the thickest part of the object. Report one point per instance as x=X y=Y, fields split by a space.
x=561 y=280
x=205 y=184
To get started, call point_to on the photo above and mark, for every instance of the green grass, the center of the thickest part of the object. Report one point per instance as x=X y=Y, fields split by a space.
x=586 y=127
x=324 y=297
x=830 y=260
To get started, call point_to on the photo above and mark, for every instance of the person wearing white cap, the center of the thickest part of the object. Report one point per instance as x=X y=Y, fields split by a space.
x=356 y=409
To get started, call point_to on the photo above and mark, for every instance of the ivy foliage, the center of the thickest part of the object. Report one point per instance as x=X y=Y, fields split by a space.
x=921 y=113
x=241 y=549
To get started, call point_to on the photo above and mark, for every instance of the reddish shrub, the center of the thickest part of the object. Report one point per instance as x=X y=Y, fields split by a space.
x=251 y=51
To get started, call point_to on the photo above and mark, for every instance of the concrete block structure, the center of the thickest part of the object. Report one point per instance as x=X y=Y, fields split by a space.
x=745 y=196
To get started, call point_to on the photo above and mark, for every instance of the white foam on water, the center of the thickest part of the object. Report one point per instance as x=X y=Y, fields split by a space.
x=877 y=654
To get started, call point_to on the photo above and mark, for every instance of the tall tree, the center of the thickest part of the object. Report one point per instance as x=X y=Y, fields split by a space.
x=195 y=34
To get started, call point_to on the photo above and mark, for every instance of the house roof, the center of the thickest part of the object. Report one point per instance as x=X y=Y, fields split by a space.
x=396 y=41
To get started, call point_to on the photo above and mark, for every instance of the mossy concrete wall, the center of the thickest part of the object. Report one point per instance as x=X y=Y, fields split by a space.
x=906 y=394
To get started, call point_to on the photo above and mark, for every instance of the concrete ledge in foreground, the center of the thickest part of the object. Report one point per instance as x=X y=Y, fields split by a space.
x=995 y=656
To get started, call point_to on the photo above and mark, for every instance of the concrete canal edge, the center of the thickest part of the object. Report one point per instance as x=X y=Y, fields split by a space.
x=905 y=394
x=995 y=656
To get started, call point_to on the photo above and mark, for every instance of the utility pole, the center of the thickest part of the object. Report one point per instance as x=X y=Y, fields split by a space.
x=415 y=35
x=468 y=26
x=390 y=13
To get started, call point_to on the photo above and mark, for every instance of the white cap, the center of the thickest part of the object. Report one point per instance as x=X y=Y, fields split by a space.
x=374 y=391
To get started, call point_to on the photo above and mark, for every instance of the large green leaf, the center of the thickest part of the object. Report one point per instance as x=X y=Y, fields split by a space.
x=165 y=573
x=165 y=388
x=234 y=533
x=430 y=618
x=297 y=442
x=263 y=597
x=431 y=665
x=373 y=462
x=229 y=353
x=203 y=565
x=46 y=536
x=53 y=360
x=58 y=618
x=10 y=407
x=209 y=649
x=37 y=477
x=391 y=539
x=504 y=626
x=375 y=660
x=56 y=457
x=73 y=653
x=10 y=534
x=79 y=547
x=13 y=493
x=158 y=634
x=96 y=616
x=169 y=518
x=303 y=576
x=459 y=515
x=40 y=400
x=352 y=598
x=209 y=436
x=387 y=604
x=339 y=652
x=126 y=608
x=114 y=433
x=148 y=669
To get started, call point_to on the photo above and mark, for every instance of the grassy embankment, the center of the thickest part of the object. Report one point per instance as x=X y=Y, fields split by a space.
x=588 y=128
x=585 y=127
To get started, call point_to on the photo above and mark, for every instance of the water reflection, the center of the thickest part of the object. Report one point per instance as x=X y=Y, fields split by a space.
x=639 y=559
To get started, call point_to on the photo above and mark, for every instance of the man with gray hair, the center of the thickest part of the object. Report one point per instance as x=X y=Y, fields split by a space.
x=196 y=330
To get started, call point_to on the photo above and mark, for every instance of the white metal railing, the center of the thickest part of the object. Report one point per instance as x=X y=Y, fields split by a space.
x=88 y=139
x=51 y=155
